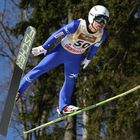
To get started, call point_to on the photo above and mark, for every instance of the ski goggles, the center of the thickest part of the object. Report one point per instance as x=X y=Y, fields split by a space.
x=101 y=19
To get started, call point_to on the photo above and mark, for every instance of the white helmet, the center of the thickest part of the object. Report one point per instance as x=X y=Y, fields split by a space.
x=97 y=10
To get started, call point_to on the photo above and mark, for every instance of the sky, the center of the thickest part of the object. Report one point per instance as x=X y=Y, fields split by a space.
x=1 y=4
x=5 y=72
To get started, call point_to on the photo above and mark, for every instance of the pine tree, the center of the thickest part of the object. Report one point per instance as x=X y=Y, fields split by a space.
x=113 y=70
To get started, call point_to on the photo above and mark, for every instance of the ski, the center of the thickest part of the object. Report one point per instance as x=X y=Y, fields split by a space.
x=81 y=110
x=20 y=64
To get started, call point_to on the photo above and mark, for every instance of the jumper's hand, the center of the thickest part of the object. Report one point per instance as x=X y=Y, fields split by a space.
x=38 y=50
x=85 y=63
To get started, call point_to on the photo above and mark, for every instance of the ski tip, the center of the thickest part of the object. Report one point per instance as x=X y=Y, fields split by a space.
x=31 y=27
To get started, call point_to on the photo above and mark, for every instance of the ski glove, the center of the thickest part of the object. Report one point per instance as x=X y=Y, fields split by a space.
x=38 y=50
x=85 y=63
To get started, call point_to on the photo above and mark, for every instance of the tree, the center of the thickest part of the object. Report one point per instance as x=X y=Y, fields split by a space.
x=114 y=69
x=8 y=51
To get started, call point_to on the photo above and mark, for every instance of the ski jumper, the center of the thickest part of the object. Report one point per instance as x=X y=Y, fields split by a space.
x=69 y=51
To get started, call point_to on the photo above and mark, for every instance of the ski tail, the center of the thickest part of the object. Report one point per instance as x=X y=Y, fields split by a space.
x=20 y=65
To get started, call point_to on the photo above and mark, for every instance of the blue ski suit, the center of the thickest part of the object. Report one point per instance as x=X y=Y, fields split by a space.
x=69 y=51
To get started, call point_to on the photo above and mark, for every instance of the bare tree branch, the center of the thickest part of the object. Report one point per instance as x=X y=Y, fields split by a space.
x=6 y=54
x=4 y=11
x=15 y=3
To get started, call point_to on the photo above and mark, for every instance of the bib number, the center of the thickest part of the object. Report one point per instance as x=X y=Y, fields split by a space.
x=82 y=44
